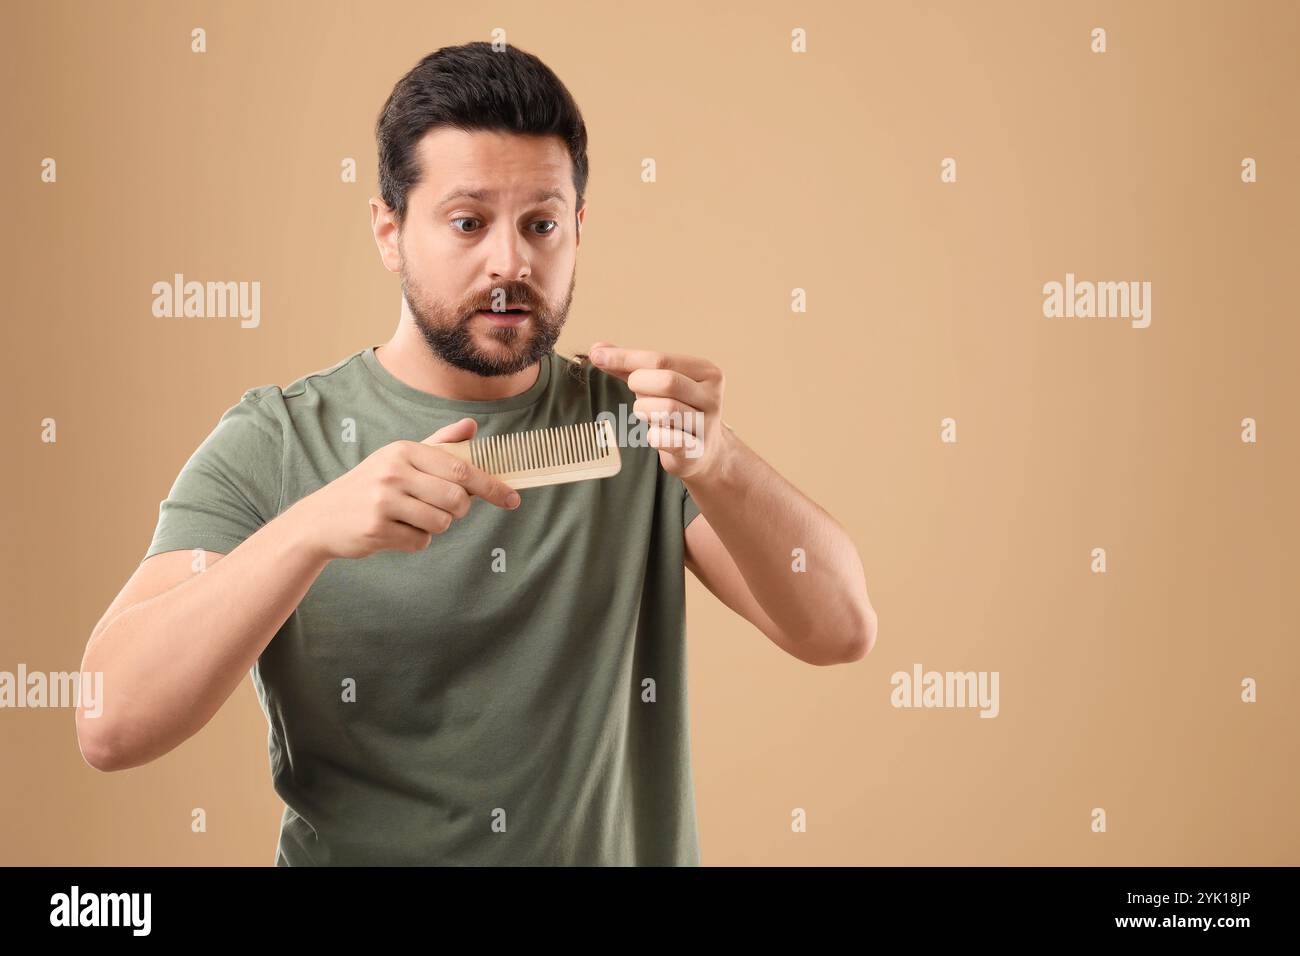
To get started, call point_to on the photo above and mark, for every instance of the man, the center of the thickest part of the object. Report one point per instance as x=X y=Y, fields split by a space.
x=450 y=681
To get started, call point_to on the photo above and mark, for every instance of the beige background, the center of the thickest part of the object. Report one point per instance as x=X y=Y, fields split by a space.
x=818 y=171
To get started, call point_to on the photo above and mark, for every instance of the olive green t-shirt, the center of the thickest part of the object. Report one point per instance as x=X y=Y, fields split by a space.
x=515 y=694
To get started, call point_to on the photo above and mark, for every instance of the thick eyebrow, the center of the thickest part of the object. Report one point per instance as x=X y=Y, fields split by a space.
x=484 y=195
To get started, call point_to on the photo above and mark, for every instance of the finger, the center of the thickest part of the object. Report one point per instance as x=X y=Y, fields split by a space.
x=674 y=441
x=667 y=383
x=406 y=509
x=410 y=538
x=591 y=354
x=462 y=430
x=438 y=492
x=443 y=464
x=669 y=413
x=622 y=362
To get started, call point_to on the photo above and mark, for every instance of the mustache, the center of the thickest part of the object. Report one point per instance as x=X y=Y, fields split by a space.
x=511 y=296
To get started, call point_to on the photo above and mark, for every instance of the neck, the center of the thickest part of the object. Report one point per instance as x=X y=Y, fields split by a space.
x=408 y=357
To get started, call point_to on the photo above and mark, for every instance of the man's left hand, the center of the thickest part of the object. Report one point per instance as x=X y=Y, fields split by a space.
x=680 y=396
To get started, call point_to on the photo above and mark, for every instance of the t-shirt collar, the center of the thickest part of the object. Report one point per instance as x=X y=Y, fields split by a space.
x=428 y=400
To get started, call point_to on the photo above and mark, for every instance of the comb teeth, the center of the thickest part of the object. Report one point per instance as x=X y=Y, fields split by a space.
x=542 y=449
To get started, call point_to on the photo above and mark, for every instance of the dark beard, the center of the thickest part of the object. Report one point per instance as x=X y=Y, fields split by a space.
x=453 y=342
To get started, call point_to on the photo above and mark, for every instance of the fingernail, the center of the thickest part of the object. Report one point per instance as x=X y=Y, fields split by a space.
x=598 y=356
x=512 y=499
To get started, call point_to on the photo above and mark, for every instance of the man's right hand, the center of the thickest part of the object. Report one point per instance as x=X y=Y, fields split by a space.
x=399 y=497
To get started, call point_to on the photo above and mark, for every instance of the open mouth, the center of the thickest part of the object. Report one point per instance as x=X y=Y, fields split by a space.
x=508 y=317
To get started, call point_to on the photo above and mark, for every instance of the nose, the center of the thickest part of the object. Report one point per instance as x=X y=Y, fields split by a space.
x=507 y=258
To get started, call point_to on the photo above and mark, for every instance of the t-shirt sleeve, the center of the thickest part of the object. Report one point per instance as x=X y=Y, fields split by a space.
x=231 y=486
x=689 y=508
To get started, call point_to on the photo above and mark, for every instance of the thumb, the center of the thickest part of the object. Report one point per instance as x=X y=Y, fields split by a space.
x=462 y=430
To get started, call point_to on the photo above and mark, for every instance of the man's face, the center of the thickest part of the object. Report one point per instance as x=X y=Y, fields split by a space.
x=465 y=259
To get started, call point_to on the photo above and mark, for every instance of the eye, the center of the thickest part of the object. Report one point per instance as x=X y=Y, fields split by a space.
x=553 y=224
x=462 y=219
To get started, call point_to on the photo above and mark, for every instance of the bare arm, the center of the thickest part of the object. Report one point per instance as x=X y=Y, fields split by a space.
x=822 y=615
x=176 y=643
x=754 y=519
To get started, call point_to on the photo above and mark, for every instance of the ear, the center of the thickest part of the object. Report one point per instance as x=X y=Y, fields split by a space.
x=388 y=234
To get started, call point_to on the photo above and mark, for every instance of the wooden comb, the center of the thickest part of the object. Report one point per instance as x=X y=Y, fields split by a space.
x=543 y=456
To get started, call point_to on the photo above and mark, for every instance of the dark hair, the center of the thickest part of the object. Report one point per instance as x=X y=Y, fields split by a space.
x=474 y=87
